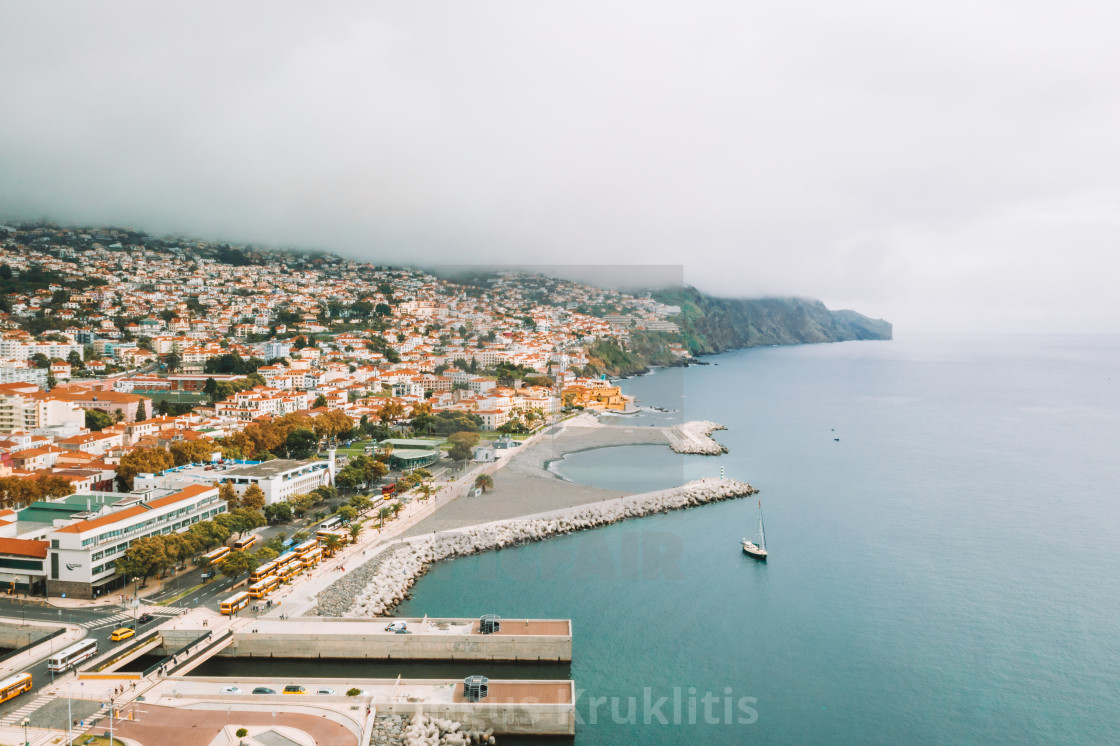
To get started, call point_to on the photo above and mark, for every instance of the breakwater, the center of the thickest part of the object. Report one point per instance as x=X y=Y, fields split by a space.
x=376 y=587
x=695 y=437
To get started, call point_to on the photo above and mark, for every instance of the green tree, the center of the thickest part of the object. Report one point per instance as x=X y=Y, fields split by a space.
x=141 y=411
x=301 y=443
x=245 y=519
x=320 y=401
x=347 y=512
x=484 y=482
x=355 y=531
x=278 y=512
x=97 y=420
x=143 y=558
x=460 y=452
x=331 y=544
x=265 y=555
x=361 y=503
x=237 y=564
x=300 y=504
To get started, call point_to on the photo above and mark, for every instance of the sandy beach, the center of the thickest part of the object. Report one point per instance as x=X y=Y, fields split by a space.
x=525 y=486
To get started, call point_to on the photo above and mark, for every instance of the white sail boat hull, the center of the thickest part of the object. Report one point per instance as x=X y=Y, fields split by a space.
x=754 y=550
x=758 y=551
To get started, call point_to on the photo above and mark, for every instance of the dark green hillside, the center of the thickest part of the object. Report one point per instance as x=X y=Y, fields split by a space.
x=711 y=324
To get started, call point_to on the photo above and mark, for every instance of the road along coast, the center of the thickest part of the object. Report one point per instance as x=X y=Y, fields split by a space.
x=377 y=586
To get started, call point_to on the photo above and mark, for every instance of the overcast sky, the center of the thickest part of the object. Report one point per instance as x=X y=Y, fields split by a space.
x=949 y=166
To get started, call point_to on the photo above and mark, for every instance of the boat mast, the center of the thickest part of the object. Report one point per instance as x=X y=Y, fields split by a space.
x=761 y=528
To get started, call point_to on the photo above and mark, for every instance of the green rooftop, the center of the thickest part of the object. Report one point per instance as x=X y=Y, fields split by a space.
x=48 y=512
x=423 y=444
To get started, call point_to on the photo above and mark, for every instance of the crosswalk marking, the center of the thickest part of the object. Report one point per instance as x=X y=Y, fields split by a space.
x=17 y=716
x=128 y=616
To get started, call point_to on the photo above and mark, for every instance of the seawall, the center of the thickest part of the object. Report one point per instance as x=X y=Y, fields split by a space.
x=378 y=586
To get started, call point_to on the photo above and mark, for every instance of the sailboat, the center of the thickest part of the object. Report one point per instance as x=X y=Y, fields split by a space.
x=758 y=551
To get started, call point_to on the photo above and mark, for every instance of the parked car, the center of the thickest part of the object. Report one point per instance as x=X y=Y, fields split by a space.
x=264 y=690
x=326 y=690
x=208 y=574
x=294 y=689
x=231 y=690
x=145 y=618
x=396 y=626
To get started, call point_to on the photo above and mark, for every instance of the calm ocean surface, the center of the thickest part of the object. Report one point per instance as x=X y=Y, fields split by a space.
x=947 y=572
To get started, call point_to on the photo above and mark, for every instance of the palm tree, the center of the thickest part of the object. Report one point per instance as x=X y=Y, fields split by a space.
x=396 y=508
x=426 y=491
x=355 y=530
x=331 y=544
x=484 y=482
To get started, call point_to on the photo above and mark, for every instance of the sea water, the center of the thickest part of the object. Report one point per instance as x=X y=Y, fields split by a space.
x=943 y=523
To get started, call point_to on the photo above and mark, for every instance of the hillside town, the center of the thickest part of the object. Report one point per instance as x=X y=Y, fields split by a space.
x=147 y=384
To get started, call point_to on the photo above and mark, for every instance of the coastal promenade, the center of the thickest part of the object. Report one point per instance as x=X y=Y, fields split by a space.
x=523 y=486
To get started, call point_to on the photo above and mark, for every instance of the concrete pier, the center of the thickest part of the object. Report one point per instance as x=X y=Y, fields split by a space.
x=544 y=708
x=426 y=639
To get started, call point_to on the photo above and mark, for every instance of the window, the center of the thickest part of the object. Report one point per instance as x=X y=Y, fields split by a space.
x=21 y=564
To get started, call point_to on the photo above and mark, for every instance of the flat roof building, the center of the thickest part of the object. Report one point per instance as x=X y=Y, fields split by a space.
x=278 y=479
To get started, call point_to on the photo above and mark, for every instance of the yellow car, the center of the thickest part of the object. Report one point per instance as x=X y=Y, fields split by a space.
x=122 y=634
x=294 y=689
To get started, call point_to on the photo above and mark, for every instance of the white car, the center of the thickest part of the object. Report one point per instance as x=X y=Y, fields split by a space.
x=396 y=626
x=231 y=690
x=326 y=690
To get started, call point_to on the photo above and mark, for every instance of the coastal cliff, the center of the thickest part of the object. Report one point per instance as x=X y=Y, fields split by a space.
x=709 y=324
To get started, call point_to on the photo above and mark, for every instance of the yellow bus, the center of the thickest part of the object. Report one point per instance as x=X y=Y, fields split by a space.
x=15 y=685
x=313 y=557
x=245 y=542
x=233 y=604
x=263 y=588
x=307 y=547
x=262 y=572
x=217 y=555
x=287 y=559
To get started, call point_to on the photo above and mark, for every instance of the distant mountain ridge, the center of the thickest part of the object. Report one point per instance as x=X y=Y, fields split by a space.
x=709 y=324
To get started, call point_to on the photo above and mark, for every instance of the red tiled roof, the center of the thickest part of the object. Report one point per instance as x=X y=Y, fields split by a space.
x=24 y=547
x=184 y=494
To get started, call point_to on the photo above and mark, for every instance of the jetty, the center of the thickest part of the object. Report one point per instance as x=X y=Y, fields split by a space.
x=393 y=572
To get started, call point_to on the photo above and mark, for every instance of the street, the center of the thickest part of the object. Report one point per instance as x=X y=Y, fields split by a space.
x=99 y=623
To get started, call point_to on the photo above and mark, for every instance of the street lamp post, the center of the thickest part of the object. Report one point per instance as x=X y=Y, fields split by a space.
x=26 y=722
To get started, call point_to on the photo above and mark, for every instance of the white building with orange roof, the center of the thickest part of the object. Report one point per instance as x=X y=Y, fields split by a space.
x=93 y=443
x=83 y=554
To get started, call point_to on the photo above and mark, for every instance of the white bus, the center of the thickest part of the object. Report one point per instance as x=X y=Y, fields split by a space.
x=331 y=523
x=67 y=658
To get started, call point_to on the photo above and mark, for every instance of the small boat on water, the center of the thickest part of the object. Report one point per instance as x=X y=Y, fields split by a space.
x=758 y=551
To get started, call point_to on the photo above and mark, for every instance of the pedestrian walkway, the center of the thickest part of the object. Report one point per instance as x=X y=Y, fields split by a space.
x=15 y=717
